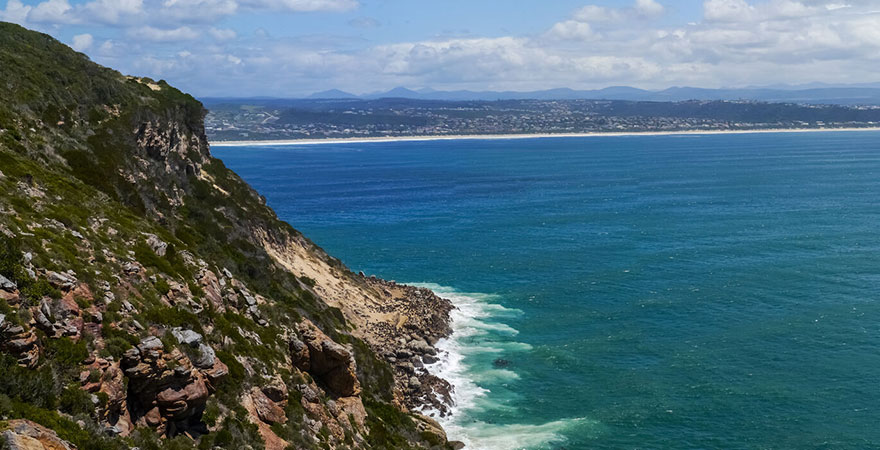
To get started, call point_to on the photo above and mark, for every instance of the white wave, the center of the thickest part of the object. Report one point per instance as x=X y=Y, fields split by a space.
x=486 y=436
x=476 y=329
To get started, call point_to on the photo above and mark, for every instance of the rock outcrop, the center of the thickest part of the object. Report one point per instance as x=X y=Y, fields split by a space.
x=27 y=435
x=167 y=391
x=18 y=342
x=330 y=363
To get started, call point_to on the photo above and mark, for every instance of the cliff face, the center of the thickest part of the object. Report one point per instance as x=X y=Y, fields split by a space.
x=147 y=292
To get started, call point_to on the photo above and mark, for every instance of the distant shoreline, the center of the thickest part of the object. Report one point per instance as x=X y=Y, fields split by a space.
x=256 y=143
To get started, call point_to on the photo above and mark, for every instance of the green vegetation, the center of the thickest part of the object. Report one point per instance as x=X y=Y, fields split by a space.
x=83 y=181
x=65 y=352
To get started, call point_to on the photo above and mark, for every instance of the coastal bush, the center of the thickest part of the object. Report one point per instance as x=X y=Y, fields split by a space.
x=34 y=291
x=147 y=440
x=236 y=432
x=65 y=352
x=170 y=264
x=236 y=371
x=36 y=387
x=172 y=317
x=115 y=347
x=11 y=259
x=383 y=420
x=75 y=401
x=162 y=286
x=212 y=412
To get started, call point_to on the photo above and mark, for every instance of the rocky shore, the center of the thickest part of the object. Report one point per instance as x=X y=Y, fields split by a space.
x=407 y=342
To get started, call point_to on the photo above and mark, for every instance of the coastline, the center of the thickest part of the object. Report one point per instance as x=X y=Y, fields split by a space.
x=259 y=143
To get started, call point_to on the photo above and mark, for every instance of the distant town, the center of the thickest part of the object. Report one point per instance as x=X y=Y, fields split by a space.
x=269 y=119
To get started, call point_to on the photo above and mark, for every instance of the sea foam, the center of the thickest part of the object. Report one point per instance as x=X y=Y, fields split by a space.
x=479 y=329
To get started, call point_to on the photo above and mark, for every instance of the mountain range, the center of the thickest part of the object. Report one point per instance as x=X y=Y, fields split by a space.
x=817 y=93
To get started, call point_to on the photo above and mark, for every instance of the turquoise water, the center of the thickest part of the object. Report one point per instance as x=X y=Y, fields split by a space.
x=717 y=291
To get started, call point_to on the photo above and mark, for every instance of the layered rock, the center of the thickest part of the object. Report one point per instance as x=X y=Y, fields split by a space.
x=18 y=342
x=105 y=376
x=168 y=392
x=330 y=363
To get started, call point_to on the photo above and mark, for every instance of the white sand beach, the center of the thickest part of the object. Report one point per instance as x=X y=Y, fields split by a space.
x=255 y=143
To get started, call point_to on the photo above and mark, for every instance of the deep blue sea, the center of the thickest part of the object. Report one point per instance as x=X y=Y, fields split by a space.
x=688 y=292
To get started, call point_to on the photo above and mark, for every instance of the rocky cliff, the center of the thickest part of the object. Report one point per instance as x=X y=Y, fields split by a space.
x=149 y=298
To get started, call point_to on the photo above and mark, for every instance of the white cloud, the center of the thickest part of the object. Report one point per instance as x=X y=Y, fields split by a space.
x=302 y=5
x=148 y=33
x=593 y=13
x=648 y=7
x=189 y=11
x=222 y=34
x=108 y=48
x=15 y=12
x=162 y=13
x=364 y=22
x=52 y=11
x=82 y=42
x=572 y=30
x=728 y=10
x=111 y=11
x=737 y=42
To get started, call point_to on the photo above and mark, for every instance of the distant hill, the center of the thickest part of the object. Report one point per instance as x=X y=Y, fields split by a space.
x=332 y=94
x=814 y=93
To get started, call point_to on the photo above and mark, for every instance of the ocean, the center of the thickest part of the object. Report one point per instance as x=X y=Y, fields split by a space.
x=642 y=292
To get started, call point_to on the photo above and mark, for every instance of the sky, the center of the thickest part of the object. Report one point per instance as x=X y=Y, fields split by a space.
x=291 y=48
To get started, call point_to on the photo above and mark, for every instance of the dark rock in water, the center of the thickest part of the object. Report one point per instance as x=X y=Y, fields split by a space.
x=500 y=362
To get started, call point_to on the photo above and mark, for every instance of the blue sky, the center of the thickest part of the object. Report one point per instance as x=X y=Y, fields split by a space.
x=294 y=47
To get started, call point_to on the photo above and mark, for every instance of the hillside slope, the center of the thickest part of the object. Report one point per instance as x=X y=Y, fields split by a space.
x=148 y=293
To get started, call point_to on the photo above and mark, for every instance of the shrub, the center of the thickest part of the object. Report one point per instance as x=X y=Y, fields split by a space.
x=162 y=286
x=115 y=347
x=76 y=401
x=66 y=353
x=37 y=387
x=10 y=258
x=35 y=291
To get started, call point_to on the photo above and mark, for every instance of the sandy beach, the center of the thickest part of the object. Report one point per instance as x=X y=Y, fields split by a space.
x=517 y=136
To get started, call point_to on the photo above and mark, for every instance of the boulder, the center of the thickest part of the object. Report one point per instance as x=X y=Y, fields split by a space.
x=131 y=268
x=26 y=435
x=204 y=357
x=158 y=246
x=276 y=390
x=419 y=346
x=11 y=297
x=267 y=410
x=150 y=343
x=329 y=362
x=187 y=337
x=216 y=374
x=7 y=285
x=60 y=280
